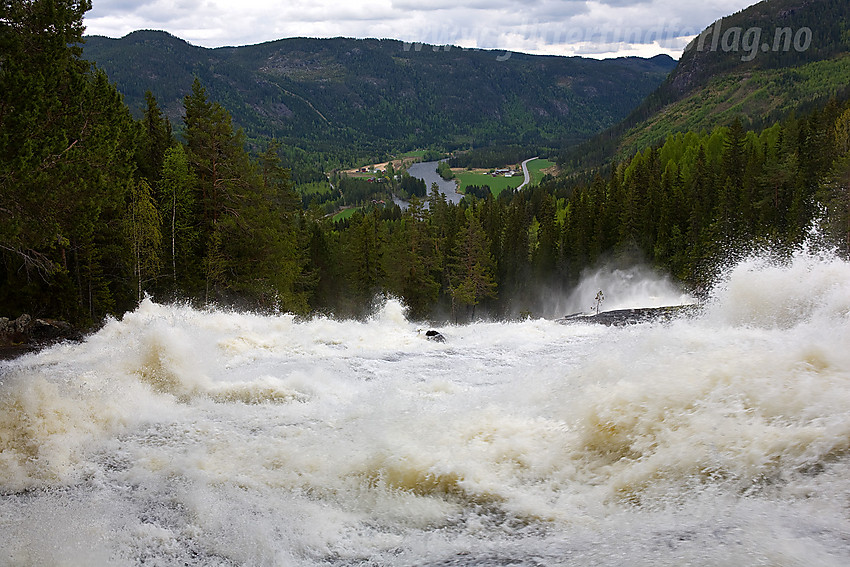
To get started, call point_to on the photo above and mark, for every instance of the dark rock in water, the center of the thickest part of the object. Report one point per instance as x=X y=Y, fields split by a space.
x=45 y=330
x=26 y=334
x=433 y=335
x=620 y=317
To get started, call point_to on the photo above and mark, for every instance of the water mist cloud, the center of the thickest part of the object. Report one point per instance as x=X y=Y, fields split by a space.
x=624 y=288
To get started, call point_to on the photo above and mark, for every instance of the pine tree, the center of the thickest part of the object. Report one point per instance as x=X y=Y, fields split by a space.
x=213 y=150
x=472 y=267
x=546 y=251
x=837 y=196
x=267 y=263
x=234 y=207
x=513 y=265
x=411 y=261
x=322 y=277
x=734 y=154
x=155 y=140
x=364 y=251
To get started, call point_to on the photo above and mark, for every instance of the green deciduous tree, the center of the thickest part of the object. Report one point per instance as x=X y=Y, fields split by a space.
x=179 y=210
x=142 y=229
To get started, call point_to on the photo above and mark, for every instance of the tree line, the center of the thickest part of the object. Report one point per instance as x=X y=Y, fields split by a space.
x=703 y=198
x=98 y=209
x=688 y=206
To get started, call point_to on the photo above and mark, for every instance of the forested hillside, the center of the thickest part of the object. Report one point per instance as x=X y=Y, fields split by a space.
x=758 y=65
x=347 y=97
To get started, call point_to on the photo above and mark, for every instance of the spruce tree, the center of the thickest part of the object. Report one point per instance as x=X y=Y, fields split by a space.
x=155 y=139
x=472 y=267
x=364 y=252
x=66 y=159
x=411 y=261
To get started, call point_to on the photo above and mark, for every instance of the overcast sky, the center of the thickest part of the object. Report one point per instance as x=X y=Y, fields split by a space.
x=597 y=28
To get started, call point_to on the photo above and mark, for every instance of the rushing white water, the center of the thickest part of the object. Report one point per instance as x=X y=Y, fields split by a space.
x=185 y=437
x=623 y=288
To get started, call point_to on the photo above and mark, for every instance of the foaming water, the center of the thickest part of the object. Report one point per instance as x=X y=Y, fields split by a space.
x=182 y=436
x=623 y=288
x=806 y=288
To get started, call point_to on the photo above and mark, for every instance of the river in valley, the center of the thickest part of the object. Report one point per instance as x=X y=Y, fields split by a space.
x=427 y=172
x=182 y=436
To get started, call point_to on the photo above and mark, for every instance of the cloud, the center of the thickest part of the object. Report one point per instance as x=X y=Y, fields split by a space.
x=560 y=27
x=115 y=7
x=436 y=5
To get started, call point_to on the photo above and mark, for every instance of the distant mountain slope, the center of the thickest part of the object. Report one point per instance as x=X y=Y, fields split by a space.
x=377 y=95
x=775 y=57
x=774 y=34
x=762 y=96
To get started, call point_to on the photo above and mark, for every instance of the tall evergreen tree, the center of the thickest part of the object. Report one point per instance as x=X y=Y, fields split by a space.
x=247 y=222
x=472 y=268
x=223 y=174
x=364 y=251
x=267 y=262
x=411 y=262
x=155 y=139
x=66 y=157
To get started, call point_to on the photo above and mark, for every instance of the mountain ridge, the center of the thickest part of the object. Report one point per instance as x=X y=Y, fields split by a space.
x=381 y=94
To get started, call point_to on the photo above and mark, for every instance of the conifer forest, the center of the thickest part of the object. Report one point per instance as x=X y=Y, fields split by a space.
x=99 y=209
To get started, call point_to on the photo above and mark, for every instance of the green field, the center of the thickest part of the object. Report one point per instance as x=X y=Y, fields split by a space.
x=536 y=167
x=413 y=154
x=345 y=213
x=314 y=188
x=499 y=184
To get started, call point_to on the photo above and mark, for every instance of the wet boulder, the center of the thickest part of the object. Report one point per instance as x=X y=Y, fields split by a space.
x=435 y=336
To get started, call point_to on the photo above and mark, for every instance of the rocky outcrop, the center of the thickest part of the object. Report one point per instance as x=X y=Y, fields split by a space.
x=25 y=334
x=621 y=317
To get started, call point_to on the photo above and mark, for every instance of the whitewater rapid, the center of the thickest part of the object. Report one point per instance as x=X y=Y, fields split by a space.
x=178 y=436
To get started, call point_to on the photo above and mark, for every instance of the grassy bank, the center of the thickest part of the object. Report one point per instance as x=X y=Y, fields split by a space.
x=536 y=170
